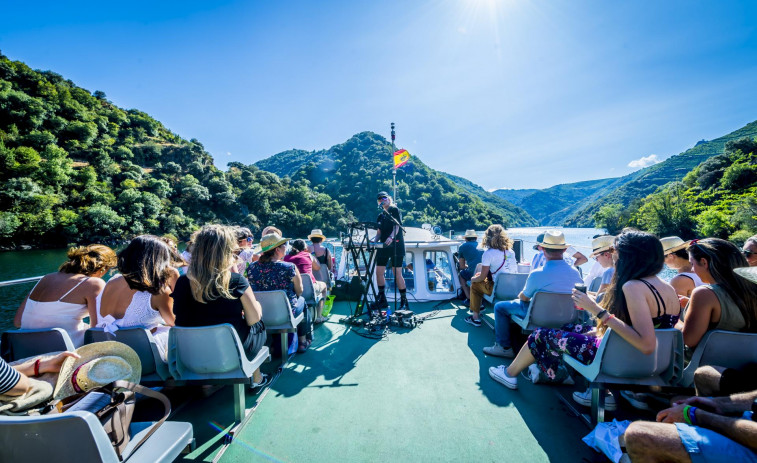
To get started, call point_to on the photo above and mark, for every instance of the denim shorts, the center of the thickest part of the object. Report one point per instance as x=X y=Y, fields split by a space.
x=705 y=446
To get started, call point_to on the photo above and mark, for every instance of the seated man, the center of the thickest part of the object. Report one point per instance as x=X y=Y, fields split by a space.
x=698 y=429
x=711 y=380
x=555 y=276
x=602 y=250
x=470 y=256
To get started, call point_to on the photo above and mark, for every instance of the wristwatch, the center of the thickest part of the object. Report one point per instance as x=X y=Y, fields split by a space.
x=601 y=314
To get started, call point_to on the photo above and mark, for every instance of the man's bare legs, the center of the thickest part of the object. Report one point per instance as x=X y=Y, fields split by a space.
x=655 y=442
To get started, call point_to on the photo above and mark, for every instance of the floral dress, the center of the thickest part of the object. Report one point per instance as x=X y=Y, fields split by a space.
x=272 y=276
x=548 y=344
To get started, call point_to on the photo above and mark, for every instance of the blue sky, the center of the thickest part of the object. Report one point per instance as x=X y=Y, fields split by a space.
x=507 y=93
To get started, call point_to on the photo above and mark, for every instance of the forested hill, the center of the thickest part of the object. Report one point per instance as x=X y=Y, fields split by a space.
x=354 y=171
x=75 y=168
x=639 y=184
x=551 y=206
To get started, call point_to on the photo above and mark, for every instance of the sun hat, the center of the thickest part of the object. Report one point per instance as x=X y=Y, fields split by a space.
x=553 y=239
x=316 y=233
x=750 y=273
x=270 y=241
x=470 y=234
x=539 y=239
x=601 y=244
x=101 y=363
x=673 y=244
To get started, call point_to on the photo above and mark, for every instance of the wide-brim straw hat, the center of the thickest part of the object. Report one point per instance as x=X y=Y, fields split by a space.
x=271 y=241
x=673 y=244
x=470 y=234
x=750 y=273
x=316 y=233
x=101 y=363
x=553 y=239
x=601 y=244
x=539 y=239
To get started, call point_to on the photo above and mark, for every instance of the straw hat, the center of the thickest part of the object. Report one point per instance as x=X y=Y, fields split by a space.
x=316 y=233
x=553 y=239
x=101 y=363
x=470 y=234
x=270 y=241
x=750 y=273
x=673 y=244
x=601 y=244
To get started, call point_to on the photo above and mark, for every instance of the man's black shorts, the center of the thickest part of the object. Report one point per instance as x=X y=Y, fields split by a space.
x=384 y=255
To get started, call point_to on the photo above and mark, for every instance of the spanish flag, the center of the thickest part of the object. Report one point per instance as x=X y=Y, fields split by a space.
x=400 y=158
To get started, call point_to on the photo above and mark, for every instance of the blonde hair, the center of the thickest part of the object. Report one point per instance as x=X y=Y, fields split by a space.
x=495 y=237
x=209 y=270
x=88 y=260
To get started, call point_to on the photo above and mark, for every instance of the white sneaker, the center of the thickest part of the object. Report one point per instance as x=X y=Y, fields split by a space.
x=499 y=374
x=584 y=398
x=498 y=351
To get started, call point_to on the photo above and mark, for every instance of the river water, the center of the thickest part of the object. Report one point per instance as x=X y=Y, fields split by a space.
x=20 y=264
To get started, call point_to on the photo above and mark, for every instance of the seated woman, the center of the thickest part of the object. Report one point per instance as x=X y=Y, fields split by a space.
x=323 y=255
x=64 y=298
x=306 y=264
x=677 y=258
x=140 y=295
x=269 y=273
x=636 y=303
x=498 y=257
x=725 y=301
x=212 y=294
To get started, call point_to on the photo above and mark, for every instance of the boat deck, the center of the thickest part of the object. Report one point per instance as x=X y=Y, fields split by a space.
x=417 y=395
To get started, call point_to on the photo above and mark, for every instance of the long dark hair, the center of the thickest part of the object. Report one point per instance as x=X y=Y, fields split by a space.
x=146 y=263
x=639 y=256
x=722 y=257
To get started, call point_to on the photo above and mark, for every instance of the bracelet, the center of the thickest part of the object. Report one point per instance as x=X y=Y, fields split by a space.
x=604 y=322
x=686 y=417
x=36 y=367
x=693 y=415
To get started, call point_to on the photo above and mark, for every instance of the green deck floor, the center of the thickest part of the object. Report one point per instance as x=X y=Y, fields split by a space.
x=419 y=395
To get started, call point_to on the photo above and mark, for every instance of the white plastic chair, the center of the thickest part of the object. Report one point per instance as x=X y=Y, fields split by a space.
x=729 y=349
x=547 y=310
x=154 y=369
x=212 y=355
x=507 y=286
x=618 y=362
x=20 y=344
x=278 y=317
x=311 y=297
x=79 y=436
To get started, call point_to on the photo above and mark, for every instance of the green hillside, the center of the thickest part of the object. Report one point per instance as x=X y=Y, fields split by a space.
x=645 y=181
x=354 y=171
x=551 y=206
x=75 y=168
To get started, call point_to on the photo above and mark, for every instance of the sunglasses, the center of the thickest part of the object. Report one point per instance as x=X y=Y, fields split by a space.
x=747 y=253
x=249 y=239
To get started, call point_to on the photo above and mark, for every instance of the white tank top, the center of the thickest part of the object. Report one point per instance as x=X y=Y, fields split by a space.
x=57 y=314
x=693 y=276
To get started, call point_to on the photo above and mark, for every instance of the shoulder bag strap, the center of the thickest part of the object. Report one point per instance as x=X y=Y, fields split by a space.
x=145 y=391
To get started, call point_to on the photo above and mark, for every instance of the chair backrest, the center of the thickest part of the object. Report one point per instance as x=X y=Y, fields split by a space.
x=139 y=339
x=205 y=352
x=509 y=285
x=19 y=344
x=307 y=289
x=729 y=349
x=622 y=360
x=551 y=310
x=595 y=284
x=72 y=436
x=277 y=312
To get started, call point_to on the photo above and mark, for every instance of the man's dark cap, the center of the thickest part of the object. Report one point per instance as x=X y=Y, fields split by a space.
x=382 y=194
x=539 y=239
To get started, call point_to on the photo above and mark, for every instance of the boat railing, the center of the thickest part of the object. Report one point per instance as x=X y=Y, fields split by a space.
x=20 y=281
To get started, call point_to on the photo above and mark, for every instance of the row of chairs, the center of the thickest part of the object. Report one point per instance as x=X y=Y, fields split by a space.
x=619 y=363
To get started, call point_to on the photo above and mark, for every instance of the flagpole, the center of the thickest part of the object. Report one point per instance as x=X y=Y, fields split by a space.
x=394 y=170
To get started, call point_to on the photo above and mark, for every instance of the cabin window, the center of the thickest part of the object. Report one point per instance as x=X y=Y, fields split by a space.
x=438 y=272
x=407 y=274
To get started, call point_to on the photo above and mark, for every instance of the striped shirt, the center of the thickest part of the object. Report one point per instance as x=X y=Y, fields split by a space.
x=9 y=377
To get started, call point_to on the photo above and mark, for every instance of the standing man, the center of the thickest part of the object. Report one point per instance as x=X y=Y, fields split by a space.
x=391 y=236
x=469 y=257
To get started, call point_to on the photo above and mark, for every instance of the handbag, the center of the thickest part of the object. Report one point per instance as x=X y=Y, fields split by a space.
x=113 y=405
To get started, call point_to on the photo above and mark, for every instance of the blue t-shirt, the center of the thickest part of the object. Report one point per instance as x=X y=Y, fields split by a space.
x=607 y=275
x=555 y=276
x=470 y=252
